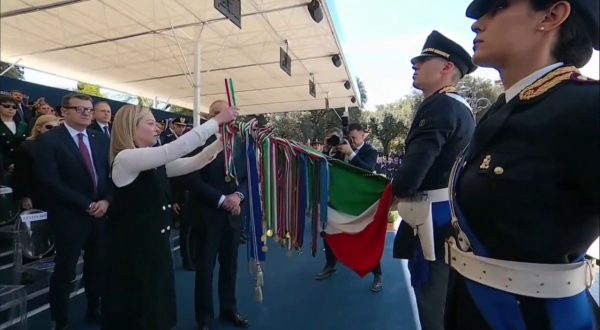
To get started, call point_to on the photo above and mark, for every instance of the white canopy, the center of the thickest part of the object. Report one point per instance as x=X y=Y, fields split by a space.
x=146 y=48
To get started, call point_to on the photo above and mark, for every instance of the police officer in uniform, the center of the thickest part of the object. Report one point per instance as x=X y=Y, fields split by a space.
x=527 y=190
x=442 y=127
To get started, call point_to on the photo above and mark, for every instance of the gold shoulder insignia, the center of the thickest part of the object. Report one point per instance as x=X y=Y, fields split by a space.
x=447 y=89
x=548 y=82
x=577 y=77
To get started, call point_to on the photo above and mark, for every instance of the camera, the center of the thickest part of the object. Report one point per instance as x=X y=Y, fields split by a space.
x=333 y=141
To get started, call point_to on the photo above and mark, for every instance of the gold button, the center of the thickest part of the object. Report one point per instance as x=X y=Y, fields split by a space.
x=498 y=170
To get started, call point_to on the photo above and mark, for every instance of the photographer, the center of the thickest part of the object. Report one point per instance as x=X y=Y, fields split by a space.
x=333 y=137
x=360 y=154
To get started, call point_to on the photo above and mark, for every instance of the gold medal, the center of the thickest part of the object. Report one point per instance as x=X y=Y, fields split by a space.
x=227 y=178
x=270 y=232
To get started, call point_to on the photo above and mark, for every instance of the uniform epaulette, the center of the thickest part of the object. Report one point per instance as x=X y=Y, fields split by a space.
x=577 y=77
x=548 y=82
x=448 y=89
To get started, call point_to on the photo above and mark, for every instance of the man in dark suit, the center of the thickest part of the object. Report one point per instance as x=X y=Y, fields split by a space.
x=102 y=118
x=360 y=154
x=442 y=127
x=216 y=210
x=73 y=168
x=24 y=113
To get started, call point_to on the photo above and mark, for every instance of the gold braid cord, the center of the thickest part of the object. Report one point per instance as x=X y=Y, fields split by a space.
x=447 y=89
x=548 y=82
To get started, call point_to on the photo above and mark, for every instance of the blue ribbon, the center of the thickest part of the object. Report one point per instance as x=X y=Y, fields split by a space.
x=420 y=272
x=324 y=190
x=501 y=309
x=254 y=220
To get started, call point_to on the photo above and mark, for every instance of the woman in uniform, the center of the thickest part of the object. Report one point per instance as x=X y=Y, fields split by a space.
x=140 y=290
x=527 y=189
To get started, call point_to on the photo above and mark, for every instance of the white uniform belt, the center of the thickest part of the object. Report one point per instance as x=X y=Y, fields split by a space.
x=522 y=278
x=432 y=196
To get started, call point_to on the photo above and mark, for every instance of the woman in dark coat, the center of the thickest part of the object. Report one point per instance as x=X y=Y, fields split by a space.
x=140 y=291
x=12 y=133
x=527 y=191
x=25 y=183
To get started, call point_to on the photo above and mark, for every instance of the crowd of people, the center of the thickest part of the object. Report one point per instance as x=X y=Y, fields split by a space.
x=493 y=213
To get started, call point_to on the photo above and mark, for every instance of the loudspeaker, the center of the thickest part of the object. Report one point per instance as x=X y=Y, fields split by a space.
x=347 y=84
x=314 y=8
x=353 y=99
x=337 y=60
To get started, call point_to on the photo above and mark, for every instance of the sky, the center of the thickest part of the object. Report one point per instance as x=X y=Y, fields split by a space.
x=379 y=37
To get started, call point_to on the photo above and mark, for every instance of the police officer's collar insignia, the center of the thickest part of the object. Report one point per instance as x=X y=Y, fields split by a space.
x=549 y=81
x=485 y=164
x=447 y=89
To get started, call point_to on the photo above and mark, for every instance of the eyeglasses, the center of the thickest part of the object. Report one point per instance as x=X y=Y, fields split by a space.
x=80 y=110
x=8 y=106
x=49 y=126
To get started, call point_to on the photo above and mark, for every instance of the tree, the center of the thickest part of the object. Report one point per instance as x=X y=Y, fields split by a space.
x=89 y=89
x=15 y=72
x=181 y=110
x=145 y=102
x=362 y=91
x=479 y=92
x=387 y=127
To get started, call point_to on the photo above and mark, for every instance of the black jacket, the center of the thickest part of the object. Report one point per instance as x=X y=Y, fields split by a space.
x=63 y=174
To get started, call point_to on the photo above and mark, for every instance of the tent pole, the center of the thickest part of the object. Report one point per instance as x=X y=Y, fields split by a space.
x=197 y=68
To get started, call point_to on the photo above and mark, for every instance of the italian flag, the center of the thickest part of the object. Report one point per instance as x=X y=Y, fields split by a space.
x=359 y=204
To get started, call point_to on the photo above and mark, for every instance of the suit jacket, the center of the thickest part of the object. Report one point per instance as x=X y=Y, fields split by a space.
x=365 y=158
x=28 y=115
x=441 y=129
x=9 y=141
x=209 y=184
x=96 y=126
x=64 y=176
x=25 y=181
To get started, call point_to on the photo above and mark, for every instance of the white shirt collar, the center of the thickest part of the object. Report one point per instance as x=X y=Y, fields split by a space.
x=360 y=146
x=515 y=89
x=74 y=132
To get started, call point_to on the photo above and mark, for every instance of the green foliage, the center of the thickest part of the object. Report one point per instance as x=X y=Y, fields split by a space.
x=362 y=91
x=309 y=125
x=182 y=110
x=145 y=102
x=89 y=89
x=15 y=72
x=479 y=92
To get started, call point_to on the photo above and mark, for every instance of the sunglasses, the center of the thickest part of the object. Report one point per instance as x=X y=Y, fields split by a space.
x=49 y=126
x=9 y=106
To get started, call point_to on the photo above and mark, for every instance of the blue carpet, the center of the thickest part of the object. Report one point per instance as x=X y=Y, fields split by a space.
x=293 y=300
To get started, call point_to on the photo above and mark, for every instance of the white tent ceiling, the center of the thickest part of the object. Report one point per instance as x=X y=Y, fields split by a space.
x=146 y=48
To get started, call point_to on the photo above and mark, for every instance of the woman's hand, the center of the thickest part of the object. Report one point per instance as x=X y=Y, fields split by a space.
x=226 y=116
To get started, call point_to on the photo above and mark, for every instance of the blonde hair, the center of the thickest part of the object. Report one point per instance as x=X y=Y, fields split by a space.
x=39 y=122
x=126 y=120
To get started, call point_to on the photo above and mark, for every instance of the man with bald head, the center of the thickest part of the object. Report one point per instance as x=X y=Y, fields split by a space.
x=216 y=210
x=102 y=117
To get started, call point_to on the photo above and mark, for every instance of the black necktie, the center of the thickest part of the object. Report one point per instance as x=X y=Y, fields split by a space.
x=106 y=131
